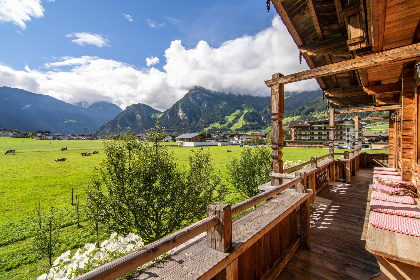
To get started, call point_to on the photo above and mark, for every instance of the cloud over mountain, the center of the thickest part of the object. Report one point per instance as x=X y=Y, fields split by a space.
x=237 y=66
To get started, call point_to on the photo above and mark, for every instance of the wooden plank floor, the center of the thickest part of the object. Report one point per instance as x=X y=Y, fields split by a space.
x=338 y=231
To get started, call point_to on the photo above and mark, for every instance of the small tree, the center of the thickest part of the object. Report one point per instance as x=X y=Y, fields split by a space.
x=46 y=237
x=250 y=170
x=139 y=188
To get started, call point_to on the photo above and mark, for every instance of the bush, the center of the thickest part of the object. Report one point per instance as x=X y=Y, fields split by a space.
x=139 y=188
x=250 y=170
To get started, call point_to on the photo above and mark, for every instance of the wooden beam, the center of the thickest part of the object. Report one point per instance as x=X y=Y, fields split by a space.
x=406 y=53
x=363 y=76
x=334 y=77
x=278 y=5
x=378 y=24
x=315 y=19
x=374 y=118
x=353 y=101
x=369 y=109
x=336 y=45
x=345 y=91
x=385 y=88
x=311 y=65
x=340 y=16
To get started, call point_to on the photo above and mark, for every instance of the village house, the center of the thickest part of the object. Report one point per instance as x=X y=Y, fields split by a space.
x=191 y=137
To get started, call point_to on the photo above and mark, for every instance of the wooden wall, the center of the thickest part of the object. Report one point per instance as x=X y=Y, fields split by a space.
x=408 y=125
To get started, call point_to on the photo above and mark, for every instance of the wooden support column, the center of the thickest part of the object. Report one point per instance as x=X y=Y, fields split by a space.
x=277 y=110
x=356 y=141
x=220 y=236
x=331 y=135
x=305 y=225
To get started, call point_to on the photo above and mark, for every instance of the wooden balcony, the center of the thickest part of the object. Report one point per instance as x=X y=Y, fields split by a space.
x=281 y=235
x=338 y=232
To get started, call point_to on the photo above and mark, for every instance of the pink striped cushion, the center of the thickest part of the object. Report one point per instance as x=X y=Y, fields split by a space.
x=392 y=198
x=385 y=188
x=395 y=223
x=392 y=173
x=395 y=208
x=384 y=169
x=388 y=177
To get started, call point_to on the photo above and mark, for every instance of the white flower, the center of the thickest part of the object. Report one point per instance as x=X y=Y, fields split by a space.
x=42 y=277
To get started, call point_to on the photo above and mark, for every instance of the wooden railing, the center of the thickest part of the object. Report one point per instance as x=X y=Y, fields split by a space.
x=369 y=160
x=256 y=244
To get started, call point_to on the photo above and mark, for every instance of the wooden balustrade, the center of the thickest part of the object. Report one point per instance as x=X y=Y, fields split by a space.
x=256 y=244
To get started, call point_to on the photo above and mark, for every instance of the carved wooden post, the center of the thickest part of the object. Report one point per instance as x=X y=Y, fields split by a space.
x=331 y=135
x=220 y=237
x=277 y=110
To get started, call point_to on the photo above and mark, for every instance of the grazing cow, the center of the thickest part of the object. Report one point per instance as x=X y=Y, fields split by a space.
x=64 y=149
x=201 y=148
x=228 y=151
x=85 y=154
x=10 y=151
x=60 y=159
x=94 y=152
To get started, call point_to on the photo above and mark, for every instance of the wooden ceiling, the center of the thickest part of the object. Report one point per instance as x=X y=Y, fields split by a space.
x=336 y=31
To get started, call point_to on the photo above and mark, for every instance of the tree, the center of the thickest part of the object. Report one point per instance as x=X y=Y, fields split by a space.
x=139 y=188
x=250 y=170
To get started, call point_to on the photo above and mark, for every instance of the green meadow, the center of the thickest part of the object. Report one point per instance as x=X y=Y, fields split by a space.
x=31 y=177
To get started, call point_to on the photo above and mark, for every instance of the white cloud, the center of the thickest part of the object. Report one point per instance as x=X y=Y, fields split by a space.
x=154 y=24
x=238 y=66
x=152 y=61
x=20 y=11
x=85 y=38
x=128 y=17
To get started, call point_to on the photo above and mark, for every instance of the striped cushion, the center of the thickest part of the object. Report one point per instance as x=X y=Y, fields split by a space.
x=395 y=208
x=387 y=189
x=395 y=223
x=384 y=169
x=392 y=198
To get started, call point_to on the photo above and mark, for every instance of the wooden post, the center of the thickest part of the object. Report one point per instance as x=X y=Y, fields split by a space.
x=305 y=225
x=356 y=142
x=301 y=188
x=220 y=236
x=331 y=135
x=314 y=162
x=277 y=110
x=347 y=171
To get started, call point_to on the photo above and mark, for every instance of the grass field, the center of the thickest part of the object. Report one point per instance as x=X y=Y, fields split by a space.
x=31 y=176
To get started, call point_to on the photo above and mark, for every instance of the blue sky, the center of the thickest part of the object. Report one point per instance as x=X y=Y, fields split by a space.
x=151 y=52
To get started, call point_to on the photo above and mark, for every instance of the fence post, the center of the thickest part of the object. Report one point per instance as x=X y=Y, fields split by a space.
x=314 y=162
x=220 y=236
x=301 y=187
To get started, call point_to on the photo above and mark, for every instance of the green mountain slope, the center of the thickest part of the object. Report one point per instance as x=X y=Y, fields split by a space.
x=137 y=117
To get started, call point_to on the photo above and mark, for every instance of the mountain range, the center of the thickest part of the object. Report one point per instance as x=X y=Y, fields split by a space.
x=200 y=109
x=27 y=111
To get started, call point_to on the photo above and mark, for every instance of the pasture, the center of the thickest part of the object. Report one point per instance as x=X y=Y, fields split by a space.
x=32 y=176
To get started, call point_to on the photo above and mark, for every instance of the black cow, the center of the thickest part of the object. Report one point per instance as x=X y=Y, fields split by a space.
x=85 y=154
x=10 y=151
x=60 y=159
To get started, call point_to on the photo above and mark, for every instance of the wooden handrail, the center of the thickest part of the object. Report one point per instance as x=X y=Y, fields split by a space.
x=132 y=261
x=250 y=202
x=297 y=166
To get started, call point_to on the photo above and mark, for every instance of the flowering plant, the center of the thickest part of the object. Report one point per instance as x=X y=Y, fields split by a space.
x=89 y=257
